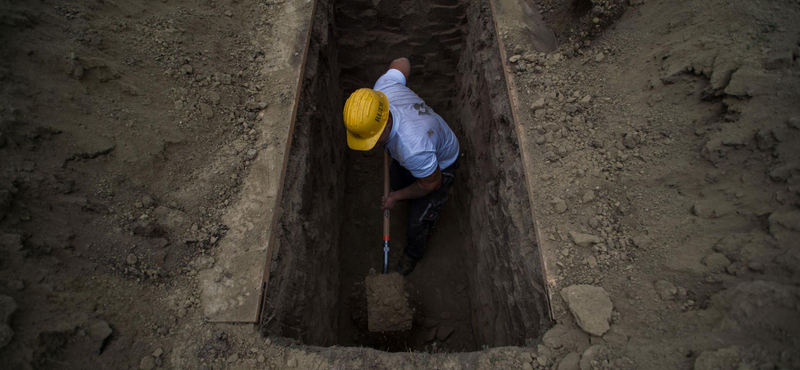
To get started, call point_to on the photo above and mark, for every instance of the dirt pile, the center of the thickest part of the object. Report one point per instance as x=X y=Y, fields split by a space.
x=387 y=303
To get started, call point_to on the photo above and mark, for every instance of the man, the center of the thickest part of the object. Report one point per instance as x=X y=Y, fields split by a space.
x=423 y=148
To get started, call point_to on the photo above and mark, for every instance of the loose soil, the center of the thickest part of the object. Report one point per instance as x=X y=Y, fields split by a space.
x=387 y=304
x=666 y=131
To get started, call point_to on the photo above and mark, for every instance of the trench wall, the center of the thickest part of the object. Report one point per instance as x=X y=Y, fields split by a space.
x=301 y=300
x=429 y=33
x=507 y=288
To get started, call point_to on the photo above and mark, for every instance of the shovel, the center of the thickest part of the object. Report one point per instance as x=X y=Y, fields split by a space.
x=385 y=214
x=387 y=303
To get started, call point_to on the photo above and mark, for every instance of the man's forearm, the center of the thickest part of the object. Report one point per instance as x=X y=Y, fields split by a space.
x=413 y=191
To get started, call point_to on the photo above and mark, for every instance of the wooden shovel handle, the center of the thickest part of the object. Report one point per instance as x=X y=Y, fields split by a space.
x=386 y=161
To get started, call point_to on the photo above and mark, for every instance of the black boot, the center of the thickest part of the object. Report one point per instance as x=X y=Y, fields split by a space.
x=406 y=265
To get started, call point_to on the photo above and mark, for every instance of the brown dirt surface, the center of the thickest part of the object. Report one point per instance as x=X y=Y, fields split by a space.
x=387 y=303
x=664 y=135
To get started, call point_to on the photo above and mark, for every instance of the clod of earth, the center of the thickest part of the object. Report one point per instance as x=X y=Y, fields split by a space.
x=591 y=307
x=7 y=307
x=584 y=240
x=387 y=304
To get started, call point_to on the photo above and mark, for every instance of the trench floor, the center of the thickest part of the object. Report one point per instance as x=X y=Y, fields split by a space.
x=438 y=287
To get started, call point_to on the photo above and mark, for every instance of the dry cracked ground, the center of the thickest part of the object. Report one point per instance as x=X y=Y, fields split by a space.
x=663 y=139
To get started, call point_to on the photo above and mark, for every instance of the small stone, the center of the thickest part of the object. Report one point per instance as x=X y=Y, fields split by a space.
x=7 y=308
x=716 y=262
x=756 y=266
x=793 y=122
x=586 y=99
x=527 y=366
x=131 y=259
x=206 y=111
x=542 y=360
x=538 y=104
x=147 y=363
x=592 y=354
x=443 y=332
x=232 y=358
x=591 y=261
x=187 y=69
x=539 y=113
x=599 y=57
x=515 y=58
x=158 y=352
x=665 y=290
x=214 y=97
x=584 y=240
x=252 y=154
x=559 y=205
x=588 y=196
x=292 y=362
x=591 y=307
x=147 y=201
x=228 y=13
x=261 y=358
x=570 y=362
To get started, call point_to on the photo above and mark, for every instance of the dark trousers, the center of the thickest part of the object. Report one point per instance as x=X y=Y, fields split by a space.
x=422 y=212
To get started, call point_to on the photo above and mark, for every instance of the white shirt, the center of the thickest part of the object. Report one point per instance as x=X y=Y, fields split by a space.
x=420 y=139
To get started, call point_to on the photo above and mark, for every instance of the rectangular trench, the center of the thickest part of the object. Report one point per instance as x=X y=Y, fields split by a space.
x=481 y=275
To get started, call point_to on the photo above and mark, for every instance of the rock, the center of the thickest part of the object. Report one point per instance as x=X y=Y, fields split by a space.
x=235 y=357
x=214 y=97
x=443 y=332
x=538 y=104
x=586 y=99
x=588 y=196
x=559 y=205
x=147 y=201
x=251 y=154
x=131 y=259
x=206 y=111
x=431 y=335
x=716 y=262
x=539 y=113
x=187 y=69
x=793 y=122
x=429 y=323
x=665 y=290
x=515 y=58
x=542 y=360
x=756 y=266
x=158 y=352
x=147 y=363
x=563 y=336
x=723 y=359
x=599 y=57
x=527 y=366
x=7 y=308
x=99 y=333
x=591 y=307
x=292 y=362
x=584 y=240
x=593 y=353
x=590 y=261
x=570 y=362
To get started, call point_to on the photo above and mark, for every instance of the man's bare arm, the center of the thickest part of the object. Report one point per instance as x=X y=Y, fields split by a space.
x=421 y=187
x=402 y=65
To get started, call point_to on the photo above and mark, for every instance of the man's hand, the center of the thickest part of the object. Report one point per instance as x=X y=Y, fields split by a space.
x=389 y=202
x=418 y=189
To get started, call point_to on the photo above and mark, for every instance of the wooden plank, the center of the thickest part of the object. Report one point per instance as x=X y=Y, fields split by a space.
x=545 y=254
x=233 y=290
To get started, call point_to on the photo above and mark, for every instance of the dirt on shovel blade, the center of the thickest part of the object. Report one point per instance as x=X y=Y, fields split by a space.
x=387 y=304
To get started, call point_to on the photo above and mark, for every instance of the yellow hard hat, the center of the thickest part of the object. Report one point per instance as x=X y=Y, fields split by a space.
x=365 y=115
